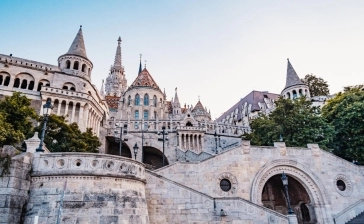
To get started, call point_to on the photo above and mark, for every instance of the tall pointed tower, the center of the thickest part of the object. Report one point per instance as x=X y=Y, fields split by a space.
x=116 y=82
x=176 y=105
x=75 y=61
x=294 y=86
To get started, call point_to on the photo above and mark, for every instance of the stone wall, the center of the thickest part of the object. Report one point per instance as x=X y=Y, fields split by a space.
x=99 y=189
x=14 y=186
x=172 y=203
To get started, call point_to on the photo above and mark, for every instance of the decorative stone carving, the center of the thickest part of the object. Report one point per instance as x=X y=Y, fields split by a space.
x=315 y=149
x=233 y=181
x=246 y=147
x=348 y=185
x=282 y=148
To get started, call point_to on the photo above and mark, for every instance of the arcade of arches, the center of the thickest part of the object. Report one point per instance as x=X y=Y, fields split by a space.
x=273 y=197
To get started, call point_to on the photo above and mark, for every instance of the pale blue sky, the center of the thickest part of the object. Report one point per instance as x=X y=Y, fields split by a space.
x=218 y=50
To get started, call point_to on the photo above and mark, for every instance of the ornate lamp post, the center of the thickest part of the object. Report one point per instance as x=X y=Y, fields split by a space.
x=120 y=139
x=217 y=137
x=164 y=133
x=143 y=140
x=47 y=110
x=285 y=184
x=135 y=150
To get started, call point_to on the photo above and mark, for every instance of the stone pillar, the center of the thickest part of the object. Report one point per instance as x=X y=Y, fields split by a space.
x=59 y=107
x=73 y=113
x=66 y=109
x=292 y=219
x=80 y=119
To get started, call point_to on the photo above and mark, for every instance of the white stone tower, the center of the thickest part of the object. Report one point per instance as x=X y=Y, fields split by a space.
x=116 y=82
x=294 y=86
x=75 y=61
x=176 y=105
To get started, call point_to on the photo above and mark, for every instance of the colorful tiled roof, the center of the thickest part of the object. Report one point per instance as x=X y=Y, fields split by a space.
x=112 y=101
x=144 y=79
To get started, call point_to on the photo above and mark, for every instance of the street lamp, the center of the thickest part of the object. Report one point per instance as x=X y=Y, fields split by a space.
x=143 y=140
x=47 y=110
x=135 y=150
x=285 y=184
x=280 y=138
x=120 y=139
x=217 y=137
x=164 y=133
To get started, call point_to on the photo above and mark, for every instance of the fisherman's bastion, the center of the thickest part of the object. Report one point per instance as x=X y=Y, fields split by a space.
x=188 y=167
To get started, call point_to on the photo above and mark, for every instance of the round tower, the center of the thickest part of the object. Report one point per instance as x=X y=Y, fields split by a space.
x=294 y=86
x=75 y=61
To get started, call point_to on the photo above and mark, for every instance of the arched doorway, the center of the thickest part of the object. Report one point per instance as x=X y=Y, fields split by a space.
x=273 y=197
x=113 y=148
x=154 y=157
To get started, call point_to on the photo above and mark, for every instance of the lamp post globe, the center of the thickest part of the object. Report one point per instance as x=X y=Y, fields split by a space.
x=285 y=185
x=135 y=150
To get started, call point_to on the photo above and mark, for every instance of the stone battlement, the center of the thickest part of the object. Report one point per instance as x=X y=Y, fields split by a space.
x=27 y=63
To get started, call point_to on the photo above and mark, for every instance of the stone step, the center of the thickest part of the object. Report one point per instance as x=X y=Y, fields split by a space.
x=357 y=220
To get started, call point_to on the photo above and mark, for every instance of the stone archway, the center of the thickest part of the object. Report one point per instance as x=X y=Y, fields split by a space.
x=113 y=148
x=312 y=185
x=154 y=157
x=274 y=198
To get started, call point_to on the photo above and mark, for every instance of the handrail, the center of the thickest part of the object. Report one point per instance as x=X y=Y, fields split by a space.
x=346 y=214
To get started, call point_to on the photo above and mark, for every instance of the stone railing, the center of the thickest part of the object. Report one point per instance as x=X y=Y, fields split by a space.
x=28 y=63
x=350 y=212
x=85 y=164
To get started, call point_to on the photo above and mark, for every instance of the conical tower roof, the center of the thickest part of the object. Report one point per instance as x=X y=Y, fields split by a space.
x=292 y=78
x=78 y=45
x=144 y=79
x=117 y=61
x=199 y=107
x=176 y=100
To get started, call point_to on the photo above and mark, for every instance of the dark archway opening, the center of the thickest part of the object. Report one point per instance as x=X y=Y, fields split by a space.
x=154 y=157
x=113 y=148
x=189 y=124
x=273 y=197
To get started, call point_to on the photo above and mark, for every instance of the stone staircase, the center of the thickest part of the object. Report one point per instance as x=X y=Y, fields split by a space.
x=357 y=220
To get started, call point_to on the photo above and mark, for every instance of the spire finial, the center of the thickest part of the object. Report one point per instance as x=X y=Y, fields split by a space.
x=198 y=98
x=80 y=26
x=119 y=40
x=145 y=64
x=287 y=59
x=175 y=89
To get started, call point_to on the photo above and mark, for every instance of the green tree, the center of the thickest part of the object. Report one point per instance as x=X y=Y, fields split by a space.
x=16 y=119
x=296 y=121
x=346 y=113
x=316 y=85
x=63 y=137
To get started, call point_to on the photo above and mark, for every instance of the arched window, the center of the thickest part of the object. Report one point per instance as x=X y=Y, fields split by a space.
x=288 y=95
x=7 y=81
x=155 y=115
x=1 y=80
x=129 y=100
x=68 y=64
x=24 y=84
x=189 y=124
x=64 y=87
x=155 y=101
x=137 y=100
x=136 y=115
x=146 y=100
x=83 y=68
x=300 y=92
x=89 y=71
x=75 y=65
x=160 y=101
x=31 y=85
x=73 y=88
x=145 y=115
x=39 y=86
x=294 y=94
x=16 y=83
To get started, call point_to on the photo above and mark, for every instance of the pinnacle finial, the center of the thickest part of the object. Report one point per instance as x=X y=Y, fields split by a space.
x=145 y=64
x=287 y=59
x=80 y=26
x=119 y=40
x=198 y=98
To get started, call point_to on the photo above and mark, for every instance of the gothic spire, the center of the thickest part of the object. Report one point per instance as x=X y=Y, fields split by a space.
x=117 y=61
x=176 y=100
x=102 y=92
x=292 y=77
x=140 y=64
x=78 y=45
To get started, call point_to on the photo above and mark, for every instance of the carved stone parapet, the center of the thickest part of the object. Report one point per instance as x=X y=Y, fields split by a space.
x=282 y=148
x=87 y=164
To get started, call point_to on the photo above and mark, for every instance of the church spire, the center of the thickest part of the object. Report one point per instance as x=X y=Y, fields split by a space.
x=292 y=78
x=78 y=45
x=176 y=100
x=117 y=61
x=140 y=64
x=102 y=92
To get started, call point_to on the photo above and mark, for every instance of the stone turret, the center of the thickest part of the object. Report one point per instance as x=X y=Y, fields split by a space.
x=176 y=106
x=75 y=61
x=294 y=86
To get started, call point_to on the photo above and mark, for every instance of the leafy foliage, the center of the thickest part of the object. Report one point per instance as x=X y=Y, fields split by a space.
x=63 y=137
x=296 y=121
x=316 y=85
x=16 y=118
x=346 y=113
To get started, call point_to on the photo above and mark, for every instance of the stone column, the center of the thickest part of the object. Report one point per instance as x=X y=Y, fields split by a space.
x=66 y=109
x=80 y=121
x=73 y=113
x=59 y=107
